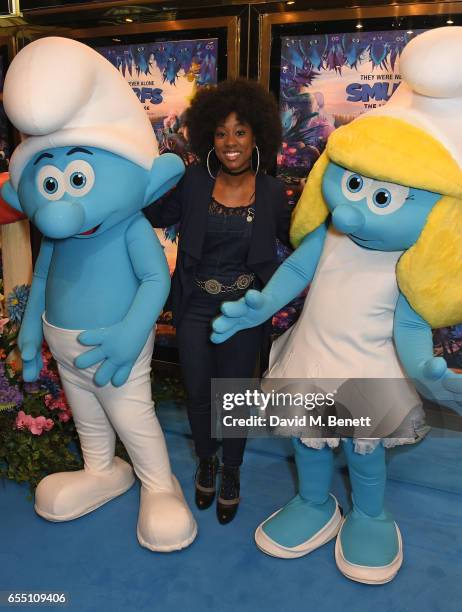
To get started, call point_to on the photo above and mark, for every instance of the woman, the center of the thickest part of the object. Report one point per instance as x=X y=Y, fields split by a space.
x=230 y=214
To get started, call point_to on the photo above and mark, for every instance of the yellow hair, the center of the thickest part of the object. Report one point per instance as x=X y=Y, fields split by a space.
x=389 y=149
x=311 y=209
x=430 y=272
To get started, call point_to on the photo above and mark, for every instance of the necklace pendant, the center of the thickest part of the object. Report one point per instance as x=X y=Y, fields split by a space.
x=250 y=215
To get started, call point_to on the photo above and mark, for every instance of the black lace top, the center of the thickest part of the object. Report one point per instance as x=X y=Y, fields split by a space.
x=215 y=208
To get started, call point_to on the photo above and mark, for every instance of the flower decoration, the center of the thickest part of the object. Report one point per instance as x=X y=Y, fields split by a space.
x=35 y=425
x=16 y=303
x=10 y=395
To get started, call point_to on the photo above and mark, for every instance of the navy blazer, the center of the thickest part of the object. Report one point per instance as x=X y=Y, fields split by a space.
x=188 y=205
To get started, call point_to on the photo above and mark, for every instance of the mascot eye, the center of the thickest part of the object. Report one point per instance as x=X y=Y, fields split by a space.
x=355 y=187
x=80 y=178
x=386 y=198
x=355 y=183
x=50 y=182
x=381 y=198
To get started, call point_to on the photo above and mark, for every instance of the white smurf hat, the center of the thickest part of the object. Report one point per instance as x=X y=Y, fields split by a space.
x=61 y=92
x=430 y=96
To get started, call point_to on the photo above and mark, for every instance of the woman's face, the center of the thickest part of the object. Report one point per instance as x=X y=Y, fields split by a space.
x=234 y=142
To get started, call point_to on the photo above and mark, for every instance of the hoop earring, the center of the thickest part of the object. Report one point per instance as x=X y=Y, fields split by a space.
x=212 y=150
x=258 y=160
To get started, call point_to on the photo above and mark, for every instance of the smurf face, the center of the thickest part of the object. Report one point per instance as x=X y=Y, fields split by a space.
x=376 y=214
x=80 y=191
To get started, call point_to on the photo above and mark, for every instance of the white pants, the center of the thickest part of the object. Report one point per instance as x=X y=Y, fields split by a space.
x=98 y=411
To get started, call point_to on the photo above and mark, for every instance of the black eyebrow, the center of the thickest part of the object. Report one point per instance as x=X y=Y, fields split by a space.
x=41 y=157
x=79 y=150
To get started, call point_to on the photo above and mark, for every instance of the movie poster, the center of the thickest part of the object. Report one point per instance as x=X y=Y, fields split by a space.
x=326 y=80
x=165 y=76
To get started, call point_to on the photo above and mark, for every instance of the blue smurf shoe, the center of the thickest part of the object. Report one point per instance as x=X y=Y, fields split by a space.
x=309 y=520
x=299 y=528
x=369 y=547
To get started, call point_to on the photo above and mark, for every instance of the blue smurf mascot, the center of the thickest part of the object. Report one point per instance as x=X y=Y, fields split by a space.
x=86 y=167
x=378 y=232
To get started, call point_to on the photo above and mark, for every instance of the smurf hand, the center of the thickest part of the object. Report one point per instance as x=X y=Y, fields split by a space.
x=431 y=375
x=116 y=348
x=441 y=384
x=256 y=307
x=31 y=356
x=251 y=310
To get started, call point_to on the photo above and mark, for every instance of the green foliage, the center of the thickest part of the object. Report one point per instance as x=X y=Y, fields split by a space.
x=28 y=458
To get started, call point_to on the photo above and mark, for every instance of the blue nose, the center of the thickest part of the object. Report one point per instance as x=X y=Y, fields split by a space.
x=59 y=219
x=347 y=219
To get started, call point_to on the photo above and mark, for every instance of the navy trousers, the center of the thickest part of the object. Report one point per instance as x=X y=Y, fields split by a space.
x=202 y=360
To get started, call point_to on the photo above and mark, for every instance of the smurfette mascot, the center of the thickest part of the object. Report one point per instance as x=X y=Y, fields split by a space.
x=87 y=165
x=378 y=232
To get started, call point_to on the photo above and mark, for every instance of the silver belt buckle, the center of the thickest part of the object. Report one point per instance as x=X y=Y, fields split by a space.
x=243 y=281
x=212 y=286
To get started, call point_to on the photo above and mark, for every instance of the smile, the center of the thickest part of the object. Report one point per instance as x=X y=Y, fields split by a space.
x=90 y=231
x=231 y=155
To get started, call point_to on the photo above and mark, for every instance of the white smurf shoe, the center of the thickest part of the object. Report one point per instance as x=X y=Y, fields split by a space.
x=165 y=522
x=67 y=495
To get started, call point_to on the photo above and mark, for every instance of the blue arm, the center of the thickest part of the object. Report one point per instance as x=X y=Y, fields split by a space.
x=120 y=345
x=289 y=280
x=31 y=334
x=414 y=343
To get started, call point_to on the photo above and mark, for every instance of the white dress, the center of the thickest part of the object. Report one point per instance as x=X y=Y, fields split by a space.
x=345 y=331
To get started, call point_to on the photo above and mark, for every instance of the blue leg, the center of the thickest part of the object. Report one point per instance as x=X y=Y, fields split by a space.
x=369 y=547
x=312 y=517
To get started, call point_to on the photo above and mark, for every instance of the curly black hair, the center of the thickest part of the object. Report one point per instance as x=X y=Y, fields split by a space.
x=251 y=103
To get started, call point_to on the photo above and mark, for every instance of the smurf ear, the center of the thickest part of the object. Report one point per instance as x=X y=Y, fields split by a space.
x=10 y=196
x=165 y=173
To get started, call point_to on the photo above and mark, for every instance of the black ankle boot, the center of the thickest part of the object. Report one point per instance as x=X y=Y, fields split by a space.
x=206 y=475
x=228 y=498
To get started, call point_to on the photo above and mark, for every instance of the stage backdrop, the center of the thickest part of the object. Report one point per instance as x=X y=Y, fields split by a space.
x=165 y=77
